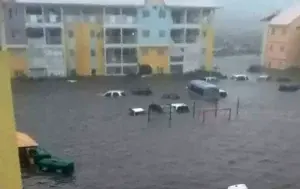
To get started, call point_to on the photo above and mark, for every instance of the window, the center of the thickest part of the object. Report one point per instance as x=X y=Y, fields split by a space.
x=99 y=35
x=281 y=48
x=107 y=94
x=34 y=32
x=146 y=33
x=271 y=47
x=204 y=33
x=10 y=13
x=92 y=33
x=70 y=33
x=154 y=7
x=162 y=13
x=144 y=51
x=283 y=31
x=93 y=53
x=93 y=72
x=298 y=28
x=71 y=51
x=162 y=33
x=160 y=51
x=146 y=13
x=273 y=31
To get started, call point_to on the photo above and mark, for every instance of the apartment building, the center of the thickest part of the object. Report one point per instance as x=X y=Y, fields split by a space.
x=84 y=37
x=282 y=47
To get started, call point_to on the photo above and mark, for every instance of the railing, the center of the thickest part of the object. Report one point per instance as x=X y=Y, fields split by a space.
x=112 y=39
x=129 y=39
x=34 y=18
x=177 y=39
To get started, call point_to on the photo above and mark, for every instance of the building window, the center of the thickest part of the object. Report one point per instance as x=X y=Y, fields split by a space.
x=92 y=33
x=271 y=47
x=144 y=51
x=281 y=48
x=93 y=53
x=70 y=33
x=162 y=33
x=204 y=33
x=146 y=33
x=10 y=13
x=146 y=13
x=160 y=51
x=283 y=31
x=93 y=72
x=71 y=52
x=273 y=31
x=162 y=13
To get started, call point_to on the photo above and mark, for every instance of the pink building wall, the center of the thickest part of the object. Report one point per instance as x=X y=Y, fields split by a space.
x=283 y=46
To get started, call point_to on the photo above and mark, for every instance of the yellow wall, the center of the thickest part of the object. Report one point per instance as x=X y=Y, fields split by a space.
x=99 y=48
x=209 y=47
x=18 y=62
x=82 y=36
x=10 y=175
x=149 y=55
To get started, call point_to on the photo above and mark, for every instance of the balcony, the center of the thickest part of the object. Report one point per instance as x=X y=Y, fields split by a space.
x=113 y=36
x=129 y=36
x=53 y=36
x=193 y=16
x=129 y=15
x=52 y=15
x=178 y=16
x=113 y=55
x=35 y=36
x=72 y=14
x=177 y=35
x=130 y=55
x=93 y=15
x=192 y=35
x=34 y=15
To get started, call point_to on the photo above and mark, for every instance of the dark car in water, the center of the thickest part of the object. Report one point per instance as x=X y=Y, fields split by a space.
x=172 y=96
x=288 y=87
x=146 y=91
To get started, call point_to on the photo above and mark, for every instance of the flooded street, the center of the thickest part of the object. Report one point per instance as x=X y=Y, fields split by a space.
x=260 y=147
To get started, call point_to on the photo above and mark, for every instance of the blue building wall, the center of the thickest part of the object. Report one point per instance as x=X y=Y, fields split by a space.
x=158 y=19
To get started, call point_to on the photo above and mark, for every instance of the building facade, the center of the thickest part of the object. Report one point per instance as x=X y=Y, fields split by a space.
x=49 y=38
x=281 y=46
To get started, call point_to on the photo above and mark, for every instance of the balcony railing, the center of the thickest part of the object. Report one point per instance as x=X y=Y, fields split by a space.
x=34 y=19
x=178 y=39
x=53 y=18
x=191 y=39
x=120 y=19
x=129 y=40
x=113 y=39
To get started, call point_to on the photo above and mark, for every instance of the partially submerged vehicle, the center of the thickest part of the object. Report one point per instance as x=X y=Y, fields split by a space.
x=288 y=87
x=201 y=90
x=114 y=93
x=142 y=91
x=180 y=107
x=30 y=154
x=211 y=79
x=155 y=108
x=264 y=78
x=223 y=93
x=172 y=96
x=136 y=111
x=239 y=77
x=255 y=68
x=238 y=186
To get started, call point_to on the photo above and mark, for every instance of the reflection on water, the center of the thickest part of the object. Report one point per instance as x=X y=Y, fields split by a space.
x=260 y=147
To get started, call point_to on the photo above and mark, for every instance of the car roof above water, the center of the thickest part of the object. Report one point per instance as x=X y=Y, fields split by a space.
x=202 y=84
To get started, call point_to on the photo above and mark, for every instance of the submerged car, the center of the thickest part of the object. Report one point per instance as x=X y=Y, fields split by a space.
x=238 y=186
x=283 y=79
x=155 y=108
x=264 y=78
x=172 y=96
x=142 y=91
x=136 y=111
x=180 y=107
x=223 y=93
x=114 y=93
x=288 y=87
x=239 y=77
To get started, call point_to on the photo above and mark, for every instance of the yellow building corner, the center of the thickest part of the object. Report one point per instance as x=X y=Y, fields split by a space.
x=10 y=174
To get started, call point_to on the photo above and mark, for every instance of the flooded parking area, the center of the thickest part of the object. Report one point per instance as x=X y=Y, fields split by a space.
x=112 y=150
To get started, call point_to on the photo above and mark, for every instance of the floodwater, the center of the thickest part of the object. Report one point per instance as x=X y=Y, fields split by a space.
x=260 y=147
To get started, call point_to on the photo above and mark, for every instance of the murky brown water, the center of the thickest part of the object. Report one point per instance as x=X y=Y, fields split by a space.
x=112 y=150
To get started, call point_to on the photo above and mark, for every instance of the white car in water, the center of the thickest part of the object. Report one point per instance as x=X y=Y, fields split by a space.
x=114 y=93
x=238 y=186
x=239 y=77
